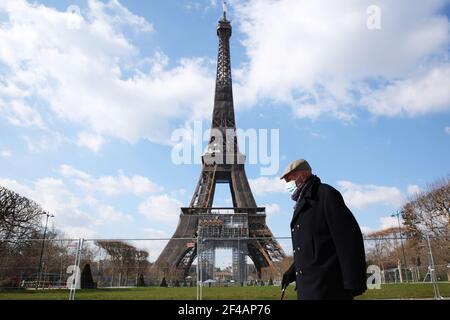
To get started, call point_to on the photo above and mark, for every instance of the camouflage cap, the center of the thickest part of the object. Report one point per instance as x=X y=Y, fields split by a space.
x=300 y=164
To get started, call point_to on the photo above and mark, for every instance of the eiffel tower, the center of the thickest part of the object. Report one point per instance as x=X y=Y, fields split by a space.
x=242 y=227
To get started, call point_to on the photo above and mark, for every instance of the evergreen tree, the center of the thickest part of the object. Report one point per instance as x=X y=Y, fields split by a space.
x=141 y=281
x=87 y=282
x=163 y=282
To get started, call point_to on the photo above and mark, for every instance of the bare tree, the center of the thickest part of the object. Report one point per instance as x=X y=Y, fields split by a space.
x=142 y=263
x=383 y=248
x=20 y=217
x=19 y=261
x=429 y=212
x=127 y=260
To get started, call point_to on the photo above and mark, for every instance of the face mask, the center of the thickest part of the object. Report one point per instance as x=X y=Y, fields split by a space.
x=291 y=187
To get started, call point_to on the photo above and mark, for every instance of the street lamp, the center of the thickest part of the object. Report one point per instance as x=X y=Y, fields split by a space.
x=48 y=215
x=397 y=214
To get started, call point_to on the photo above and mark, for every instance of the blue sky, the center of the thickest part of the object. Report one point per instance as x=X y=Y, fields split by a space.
x=89 y=99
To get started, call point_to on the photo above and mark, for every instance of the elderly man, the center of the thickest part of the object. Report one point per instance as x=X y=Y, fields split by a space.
x=329 y=259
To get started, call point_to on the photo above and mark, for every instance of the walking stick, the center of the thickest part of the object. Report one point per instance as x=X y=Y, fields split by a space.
x=282 y=293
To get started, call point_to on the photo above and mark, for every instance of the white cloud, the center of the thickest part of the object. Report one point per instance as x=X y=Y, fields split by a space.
x=447 y=130
x=93 y=75
x=181 y=191
x=79 y=232
x=113 y=14
x=5 y=154
x=153 y=247
x=366 y=230
x=263 y=186
x=70 y=172
x=155 y=233
x=322 y=57
x=91 y=141
x=14 y=185
x=361 y=196
x=45 y=142
x=272 y=209
x=161 y=208
x=74 y=211
x=423 y=94
x=108 y=212
x=389 y=222
x=54 y=197
x=20 y=114
x=413 y=189
x=204 y=5
x=318 y=61
x=110 y=185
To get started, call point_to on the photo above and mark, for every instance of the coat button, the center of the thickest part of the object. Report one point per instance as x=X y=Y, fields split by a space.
x=298 y=226
x=298 y=248
x=292 y=230
x=300 y=271
x=296 y=273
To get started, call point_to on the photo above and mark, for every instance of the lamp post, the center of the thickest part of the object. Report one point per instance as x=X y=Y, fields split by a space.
x=397 y=214
x=48 y=215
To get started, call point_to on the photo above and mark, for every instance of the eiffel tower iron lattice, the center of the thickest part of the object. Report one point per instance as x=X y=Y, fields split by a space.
x=242 y=227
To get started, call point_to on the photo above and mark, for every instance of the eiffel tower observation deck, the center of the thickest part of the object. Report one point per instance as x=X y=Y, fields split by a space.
x=242 y=227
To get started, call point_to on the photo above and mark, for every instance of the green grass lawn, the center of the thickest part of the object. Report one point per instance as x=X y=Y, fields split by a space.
x=388 y=291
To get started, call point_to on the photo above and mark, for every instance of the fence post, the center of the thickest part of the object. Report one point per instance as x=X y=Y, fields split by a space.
x=199 y=268
x=197 y=282
x=431 y=268
x=78 y=255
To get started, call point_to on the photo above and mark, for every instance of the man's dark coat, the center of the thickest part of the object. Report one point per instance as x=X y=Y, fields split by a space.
x=329 y=258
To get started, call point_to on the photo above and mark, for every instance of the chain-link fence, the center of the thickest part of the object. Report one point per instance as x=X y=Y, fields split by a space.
x=93 y=269
x=36 y=264
x=205 y=268
x=422 y=264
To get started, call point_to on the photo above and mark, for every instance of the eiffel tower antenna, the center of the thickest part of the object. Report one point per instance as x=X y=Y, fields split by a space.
x=224 y=6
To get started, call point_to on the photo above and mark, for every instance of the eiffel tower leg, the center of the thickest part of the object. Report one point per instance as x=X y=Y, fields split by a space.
x=177 y=256
x=264 y=252
x=241 y=189
x=204 y=192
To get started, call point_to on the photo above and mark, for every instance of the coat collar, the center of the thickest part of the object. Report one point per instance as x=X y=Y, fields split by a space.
x=309 y=194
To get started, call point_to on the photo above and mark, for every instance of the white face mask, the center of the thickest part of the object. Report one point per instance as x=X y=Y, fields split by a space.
x=291 y=187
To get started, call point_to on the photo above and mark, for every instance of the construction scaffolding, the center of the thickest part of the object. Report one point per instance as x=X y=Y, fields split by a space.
x=223 y=231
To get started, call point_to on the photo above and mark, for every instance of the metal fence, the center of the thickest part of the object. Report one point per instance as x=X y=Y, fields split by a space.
x=401 y=260
x=77 y=268
x=35 y=264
